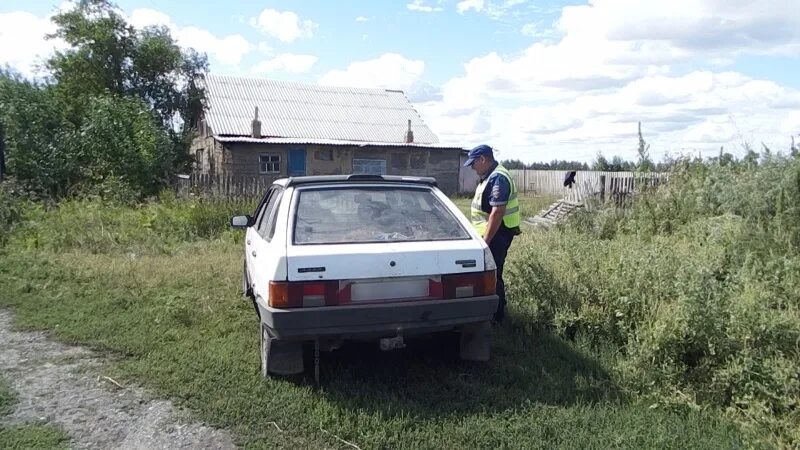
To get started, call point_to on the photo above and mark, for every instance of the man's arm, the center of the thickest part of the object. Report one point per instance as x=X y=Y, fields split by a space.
x=495 y=219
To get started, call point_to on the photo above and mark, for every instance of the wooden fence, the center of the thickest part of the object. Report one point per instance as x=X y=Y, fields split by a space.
x=229 y=186
x=606 y=185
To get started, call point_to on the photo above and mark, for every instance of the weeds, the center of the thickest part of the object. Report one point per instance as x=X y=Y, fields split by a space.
x=698 y=286
x=623 y=333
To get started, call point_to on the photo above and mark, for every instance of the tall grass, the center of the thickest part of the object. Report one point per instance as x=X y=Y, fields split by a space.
x=689 y=298
x=697 y=288
x=95 y=226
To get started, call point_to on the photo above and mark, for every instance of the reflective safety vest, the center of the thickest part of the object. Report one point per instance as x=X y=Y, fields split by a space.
x=511 y=218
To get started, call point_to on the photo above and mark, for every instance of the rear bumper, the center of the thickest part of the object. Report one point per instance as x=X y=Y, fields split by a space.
x=384 y=319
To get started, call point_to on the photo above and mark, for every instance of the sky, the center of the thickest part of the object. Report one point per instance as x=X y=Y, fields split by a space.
x=537 y=80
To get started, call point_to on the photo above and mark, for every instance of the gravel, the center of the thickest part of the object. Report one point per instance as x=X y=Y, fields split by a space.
x=65 y=386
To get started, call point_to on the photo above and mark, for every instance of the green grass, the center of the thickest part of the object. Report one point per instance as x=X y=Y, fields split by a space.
x=26 y=436
x=182 y=330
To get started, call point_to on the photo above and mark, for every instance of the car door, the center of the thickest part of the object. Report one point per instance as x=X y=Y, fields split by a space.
x=264 y=252
x=252 y=236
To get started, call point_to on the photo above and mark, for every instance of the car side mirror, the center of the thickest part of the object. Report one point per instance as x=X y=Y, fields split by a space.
x=241 y=221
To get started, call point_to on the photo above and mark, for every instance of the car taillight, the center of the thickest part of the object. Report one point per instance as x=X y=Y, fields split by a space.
x=309 y=294
x=474 y=284
x=284 y=294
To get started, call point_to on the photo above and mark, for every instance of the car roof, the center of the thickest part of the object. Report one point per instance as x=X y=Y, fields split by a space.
x=358 y=178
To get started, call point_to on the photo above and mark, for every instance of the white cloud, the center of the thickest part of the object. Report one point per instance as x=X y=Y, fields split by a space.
x=22 y=41
x=767 y=26
x=529 y=29
x=362 y=19
x=285 y=26
x=390 y=71
x=790 y=126
x=286 y=62
x=228 y=50
x=617 y=62
x=144 y=17
x=466 y=5
x=418 y=5
x=265 y=48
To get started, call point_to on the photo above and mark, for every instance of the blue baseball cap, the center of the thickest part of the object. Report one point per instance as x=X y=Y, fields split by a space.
x=476 y=152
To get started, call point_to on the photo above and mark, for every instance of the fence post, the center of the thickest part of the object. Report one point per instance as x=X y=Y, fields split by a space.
x=602 y=188
x=524 y=180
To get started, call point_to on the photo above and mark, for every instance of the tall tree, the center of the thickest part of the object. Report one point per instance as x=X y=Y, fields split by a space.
x=644 y=163
x=117 y=109
x=98 y=60
x=109 y=56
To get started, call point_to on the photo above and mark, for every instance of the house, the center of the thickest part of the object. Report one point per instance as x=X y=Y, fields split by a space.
x=272 y=129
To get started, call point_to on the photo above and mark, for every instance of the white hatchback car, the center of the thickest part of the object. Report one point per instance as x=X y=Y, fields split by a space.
x=363 y=257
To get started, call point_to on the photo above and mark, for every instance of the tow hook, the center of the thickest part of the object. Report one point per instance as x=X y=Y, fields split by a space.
x=392 y=343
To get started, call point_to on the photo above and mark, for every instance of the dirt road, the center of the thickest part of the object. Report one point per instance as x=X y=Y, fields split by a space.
x=65 y=386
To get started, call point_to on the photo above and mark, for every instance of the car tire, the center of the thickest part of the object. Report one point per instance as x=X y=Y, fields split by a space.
x=476 y=341
x=280 y=357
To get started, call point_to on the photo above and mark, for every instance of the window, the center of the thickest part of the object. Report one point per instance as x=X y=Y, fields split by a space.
x=269 y=163
x=262 y=207
x=269 y=213
x=325 y=154
x=365 y=214
x=369 y=166
x=273 y=219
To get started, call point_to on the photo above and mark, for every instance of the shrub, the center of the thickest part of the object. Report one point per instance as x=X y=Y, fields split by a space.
x=697 y=286
x=101 y=227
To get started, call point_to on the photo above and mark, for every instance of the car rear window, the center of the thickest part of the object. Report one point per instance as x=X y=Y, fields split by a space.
x=373 y=214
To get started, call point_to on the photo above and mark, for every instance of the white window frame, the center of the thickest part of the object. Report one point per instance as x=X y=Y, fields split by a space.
x=369 y=162
x=274 y=159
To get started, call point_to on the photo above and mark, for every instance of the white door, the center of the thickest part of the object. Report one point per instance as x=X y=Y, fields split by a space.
x=266 y=252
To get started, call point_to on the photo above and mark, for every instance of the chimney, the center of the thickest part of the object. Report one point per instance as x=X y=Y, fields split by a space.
x=256 y=126
x=409 y=134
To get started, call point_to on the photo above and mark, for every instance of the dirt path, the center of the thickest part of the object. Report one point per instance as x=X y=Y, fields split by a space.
x=64 y=386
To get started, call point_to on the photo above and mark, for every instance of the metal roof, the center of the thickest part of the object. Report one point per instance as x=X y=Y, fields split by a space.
x=306 y=141
x=297 y=110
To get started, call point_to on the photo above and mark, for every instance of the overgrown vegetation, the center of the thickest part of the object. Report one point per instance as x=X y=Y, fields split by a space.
x=135 y=281
x=697 y=289
x=114 y=117
x=26 y=436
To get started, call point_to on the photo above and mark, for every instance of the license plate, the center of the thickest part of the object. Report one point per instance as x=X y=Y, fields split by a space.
x=389 y=289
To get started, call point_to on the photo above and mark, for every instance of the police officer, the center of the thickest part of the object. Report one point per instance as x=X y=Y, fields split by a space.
x=494 y=212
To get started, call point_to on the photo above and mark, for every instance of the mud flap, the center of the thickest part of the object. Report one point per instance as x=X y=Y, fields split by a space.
x=280 y=357
x=476 y=341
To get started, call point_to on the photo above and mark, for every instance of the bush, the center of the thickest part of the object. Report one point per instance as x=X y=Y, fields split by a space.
x=698 y=286
x=158 y=226
x=12 y=205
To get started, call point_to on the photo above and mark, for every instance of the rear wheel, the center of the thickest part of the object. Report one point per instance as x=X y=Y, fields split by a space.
x=278 y=356
x=476 y=341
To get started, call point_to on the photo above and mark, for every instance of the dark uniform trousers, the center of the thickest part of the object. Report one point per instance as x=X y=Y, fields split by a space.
x=499 y=247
